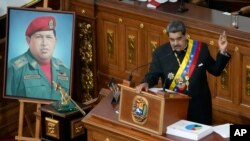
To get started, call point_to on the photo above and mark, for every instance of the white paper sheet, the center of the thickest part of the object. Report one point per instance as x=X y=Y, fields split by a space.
x=223 y=130
x=156 y=90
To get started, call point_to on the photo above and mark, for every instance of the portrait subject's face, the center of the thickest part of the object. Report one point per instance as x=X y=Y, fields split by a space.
x=178 y=41
x=42 y=45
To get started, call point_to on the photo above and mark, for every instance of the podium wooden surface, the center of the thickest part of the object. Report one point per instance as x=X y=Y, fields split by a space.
x=102 y=124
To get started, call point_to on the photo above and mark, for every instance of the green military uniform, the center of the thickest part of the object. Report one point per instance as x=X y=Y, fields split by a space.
x=27 y=79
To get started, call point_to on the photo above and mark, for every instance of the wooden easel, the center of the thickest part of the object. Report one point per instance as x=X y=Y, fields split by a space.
x=38 y=106
x=38 y=120
x=45 y=5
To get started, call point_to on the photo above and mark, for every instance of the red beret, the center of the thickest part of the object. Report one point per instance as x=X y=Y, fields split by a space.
x=40 y=24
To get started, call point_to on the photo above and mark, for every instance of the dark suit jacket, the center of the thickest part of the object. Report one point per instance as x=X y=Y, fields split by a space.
x=164 y=62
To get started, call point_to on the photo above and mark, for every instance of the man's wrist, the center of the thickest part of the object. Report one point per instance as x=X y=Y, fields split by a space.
x=224 y=52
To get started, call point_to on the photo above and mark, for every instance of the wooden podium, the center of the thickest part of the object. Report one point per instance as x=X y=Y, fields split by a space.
x=102 y=124
x=151 y=112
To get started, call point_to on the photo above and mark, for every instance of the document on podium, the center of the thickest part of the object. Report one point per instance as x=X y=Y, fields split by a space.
x=156 y=90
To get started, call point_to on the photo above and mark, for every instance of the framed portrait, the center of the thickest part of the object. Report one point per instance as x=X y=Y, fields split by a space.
x=39 y=54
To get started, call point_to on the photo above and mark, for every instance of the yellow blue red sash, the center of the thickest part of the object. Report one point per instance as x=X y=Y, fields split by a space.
x=185 y=71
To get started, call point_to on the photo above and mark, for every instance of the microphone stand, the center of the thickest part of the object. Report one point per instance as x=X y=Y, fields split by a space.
x=182 y=8
x=129 y=81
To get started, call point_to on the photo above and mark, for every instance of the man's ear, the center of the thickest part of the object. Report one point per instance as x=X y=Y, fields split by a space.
x=28 y=39
x=187 y=36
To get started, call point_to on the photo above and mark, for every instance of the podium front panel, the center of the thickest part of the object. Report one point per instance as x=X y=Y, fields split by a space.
x=141 y=111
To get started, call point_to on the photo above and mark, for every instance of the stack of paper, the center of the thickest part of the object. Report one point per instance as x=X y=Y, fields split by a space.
x=190 y=130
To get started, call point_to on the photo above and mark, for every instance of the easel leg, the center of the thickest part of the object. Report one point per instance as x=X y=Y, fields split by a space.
x=27 y=119
x=38 y=121
x=20 y=124
x=45 y=3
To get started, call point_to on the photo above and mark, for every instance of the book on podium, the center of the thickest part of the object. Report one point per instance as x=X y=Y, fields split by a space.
x=151 y=112
x=189 y=129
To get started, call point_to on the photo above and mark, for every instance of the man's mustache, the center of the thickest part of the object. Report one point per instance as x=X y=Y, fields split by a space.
x=177 y=46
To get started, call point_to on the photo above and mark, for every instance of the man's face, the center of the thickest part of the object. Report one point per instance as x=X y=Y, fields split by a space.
x=177 y=41
x=42 y=45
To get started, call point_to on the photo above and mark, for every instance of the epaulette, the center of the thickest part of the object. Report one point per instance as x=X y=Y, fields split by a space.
x=59 y=62
x=20 y=62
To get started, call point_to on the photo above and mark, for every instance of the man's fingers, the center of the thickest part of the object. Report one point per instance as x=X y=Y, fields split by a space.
x=138 y=89
x=224 y=33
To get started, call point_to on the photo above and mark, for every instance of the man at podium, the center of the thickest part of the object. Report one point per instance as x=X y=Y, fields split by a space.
x=182 y=64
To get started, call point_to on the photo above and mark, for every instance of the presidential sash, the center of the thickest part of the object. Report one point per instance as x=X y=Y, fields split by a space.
x=185 y=71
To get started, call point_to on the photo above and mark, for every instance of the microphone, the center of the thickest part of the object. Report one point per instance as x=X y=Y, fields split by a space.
x=131 y=72
x=182 y=8
x=164 y=85
x=129 y=82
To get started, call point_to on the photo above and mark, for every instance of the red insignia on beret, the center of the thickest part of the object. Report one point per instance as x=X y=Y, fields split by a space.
x=40 y=24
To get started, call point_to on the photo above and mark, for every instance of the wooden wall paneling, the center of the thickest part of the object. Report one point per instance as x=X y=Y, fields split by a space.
x=231 y=100
x=225 y=80
x=156 y=36
x=133 y=42
x=122 y=49
x=134 y=46
x=84 y=76
x=244 y=96
x=108 y=51
x=97 y=134
x=229 y=83
x=110 y=47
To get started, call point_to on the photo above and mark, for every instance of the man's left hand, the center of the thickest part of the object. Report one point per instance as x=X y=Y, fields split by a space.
x=222 y=42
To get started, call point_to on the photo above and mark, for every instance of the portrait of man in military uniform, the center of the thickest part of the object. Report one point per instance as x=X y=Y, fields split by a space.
x=30 y=73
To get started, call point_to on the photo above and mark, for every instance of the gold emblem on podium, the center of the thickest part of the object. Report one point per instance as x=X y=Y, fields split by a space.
x=140 y=110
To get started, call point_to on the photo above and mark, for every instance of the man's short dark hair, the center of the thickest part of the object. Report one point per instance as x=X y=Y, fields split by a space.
x=176 y=26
